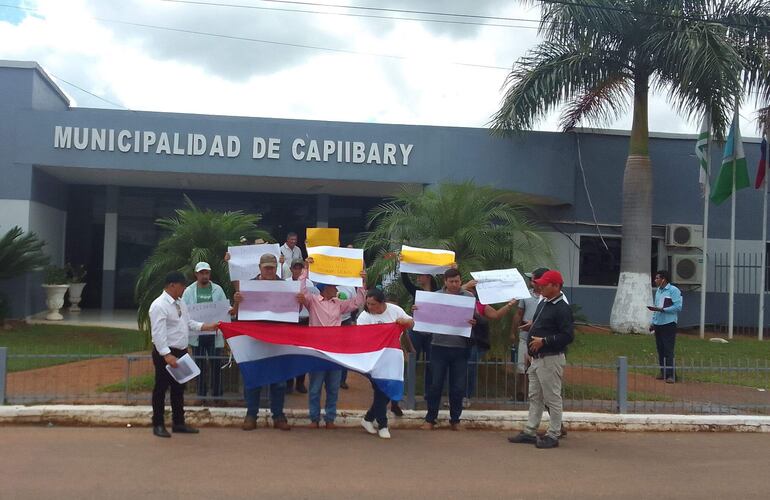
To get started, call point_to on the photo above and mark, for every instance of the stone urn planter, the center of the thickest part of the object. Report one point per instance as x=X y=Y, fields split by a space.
x=75 y=296
x=54 y=299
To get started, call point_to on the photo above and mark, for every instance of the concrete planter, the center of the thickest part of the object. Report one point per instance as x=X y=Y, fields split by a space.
x=75 y=296
x=54 y=299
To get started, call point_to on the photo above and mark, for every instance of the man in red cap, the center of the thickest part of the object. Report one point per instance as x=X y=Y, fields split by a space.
x=550 y=332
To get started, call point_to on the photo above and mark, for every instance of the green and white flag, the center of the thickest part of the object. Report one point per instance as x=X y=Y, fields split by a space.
x=701 y=151
x=733 y=157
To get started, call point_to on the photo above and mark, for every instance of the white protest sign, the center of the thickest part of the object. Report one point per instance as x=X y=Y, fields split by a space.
x=209 y=312
x=336 y=266
x=270 y=300
x=244 y=260
x=500 y=285
x=443 y=313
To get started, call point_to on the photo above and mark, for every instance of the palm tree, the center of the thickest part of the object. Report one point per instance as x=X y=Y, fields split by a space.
x=597 y=55
x=20 y=253
x=485 y=227
x=194 y=235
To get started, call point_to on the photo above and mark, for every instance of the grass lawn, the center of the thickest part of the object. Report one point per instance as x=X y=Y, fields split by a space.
x=141 y=383
x=734 y=363
x=588 y=391
x=64 y=339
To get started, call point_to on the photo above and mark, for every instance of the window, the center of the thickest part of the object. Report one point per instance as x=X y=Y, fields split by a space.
x=600 y=266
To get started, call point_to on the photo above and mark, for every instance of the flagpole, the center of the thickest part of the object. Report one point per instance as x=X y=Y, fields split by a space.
x=706 y=195
x=731 y=294
x=763 y=251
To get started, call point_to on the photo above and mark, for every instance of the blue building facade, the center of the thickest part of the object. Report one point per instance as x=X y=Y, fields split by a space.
x=91 y=183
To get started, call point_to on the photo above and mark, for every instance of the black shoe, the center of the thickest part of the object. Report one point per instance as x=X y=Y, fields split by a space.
x=523 y=437
x=300 y=388
x=397 y=411
x=184 y=429
x=546 y=442
x=344 y=385
x=160 y=431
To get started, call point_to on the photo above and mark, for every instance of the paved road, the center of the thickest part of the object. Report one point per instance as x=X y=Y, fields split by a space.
x=41 y=462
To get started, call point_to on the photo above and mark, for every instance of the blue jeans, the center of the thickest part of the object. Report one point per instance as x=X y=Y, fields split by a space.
x=477 y=353
x=452 y=360
x=421 y=342
x=332 y=380
x=210 y=369
x=277 y=395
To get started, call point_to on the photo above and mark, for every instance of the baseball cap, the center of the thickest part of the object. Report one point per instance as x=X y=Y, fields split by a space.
x=202 y=266
x=549 y=277
x=536 y=273
x=297 y=262
x=268 y=259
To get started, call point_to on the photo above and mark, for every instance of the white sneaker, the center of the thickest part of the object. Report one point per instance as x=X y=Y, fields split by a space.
x=368 y=426
x=384 y=433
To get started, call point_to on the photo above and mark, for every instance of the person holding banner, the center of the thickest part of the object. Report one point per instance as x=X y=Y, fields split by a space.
x=449 y=356
x=421 y=340
x=326 y=309
x=520 y=333
x=203 y=347
x=268 y=266
x=377 y=311
x=550 y=332
x=170 y=326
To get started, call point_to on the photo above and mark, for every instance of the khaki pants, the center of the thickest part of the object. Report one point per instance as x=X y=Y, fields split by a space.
x=545 y=378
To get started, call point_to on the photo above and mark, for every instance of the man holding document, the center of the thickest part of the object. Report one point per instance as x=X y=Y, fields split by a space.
x=170 y=328
x=668 y=304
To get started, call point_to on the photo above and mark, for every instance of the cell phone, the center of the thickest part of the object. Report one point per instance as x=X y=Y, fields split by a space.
x=652 y=308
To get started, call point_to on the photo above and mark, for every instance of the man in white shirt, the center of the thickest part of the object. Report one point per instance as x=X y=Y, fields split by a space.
x=170 y=327
x=290 y=252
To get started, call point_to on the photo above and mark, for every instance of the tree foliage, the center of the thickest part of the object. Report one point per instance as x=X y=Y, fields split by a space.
x=194 y=235
x=596 y=54
x=485 y=227
x=20 y=253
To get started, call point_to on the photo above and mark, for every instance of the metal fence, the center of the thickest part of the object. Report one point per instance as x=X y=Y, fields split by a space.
x=720 y=386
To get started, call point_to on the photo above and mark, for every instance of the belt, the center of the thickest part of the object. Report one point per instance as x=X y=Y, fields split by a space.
x=540 y=355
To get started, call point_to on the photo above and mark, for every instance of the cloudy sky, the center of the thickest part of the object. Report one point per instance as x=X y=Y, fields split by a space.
x=288 y=59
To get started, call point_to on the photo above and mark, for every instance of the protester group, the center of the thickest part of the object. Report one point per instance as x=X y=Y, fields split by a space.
x=541 y=332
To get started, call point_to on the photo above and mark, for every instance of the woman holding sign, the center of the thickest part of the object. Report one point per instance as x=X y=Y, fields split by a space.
x=377 y=311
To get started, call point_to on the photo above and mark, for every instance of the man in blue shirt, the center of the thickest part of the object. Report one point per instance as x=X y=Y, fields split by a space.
x=668 y=304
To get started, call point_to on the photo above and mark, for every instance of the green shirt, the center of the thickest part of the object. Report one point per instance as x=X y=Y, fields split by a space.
x=204 y=294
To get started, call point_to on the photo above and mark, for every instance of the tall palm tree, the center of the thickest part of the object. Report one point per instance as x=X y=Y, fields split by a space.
x=600 y=55
x=194 y=235
x=485 y=227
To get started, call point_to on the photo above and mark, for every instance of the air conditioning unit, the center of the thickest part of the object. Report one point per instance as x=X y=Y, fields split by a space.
x=684 y=235
x=686 y=269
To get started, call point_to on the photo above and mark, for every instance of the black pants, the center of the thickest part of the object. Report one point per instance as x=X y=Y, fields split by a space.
x=164 y=381
x=378 y=410
x=665 y=341
x=210 y=368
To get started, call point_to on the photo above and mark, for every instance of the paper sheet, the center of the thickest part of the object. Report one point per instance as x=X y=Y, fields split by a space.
x=336 y=266
x=270 y=300
x=443 y=313
x=185 y=370
x=244 y=260
x=425 y=260
x=500 y=285
x=209 y=312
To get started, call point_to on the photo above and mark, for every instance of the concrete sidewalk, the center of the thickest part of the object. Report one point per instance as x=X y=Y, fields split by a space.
x=115 y=416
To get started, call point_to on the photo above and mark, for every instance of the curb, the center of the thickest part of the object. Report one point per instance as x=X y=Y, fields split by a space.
x=122 y=416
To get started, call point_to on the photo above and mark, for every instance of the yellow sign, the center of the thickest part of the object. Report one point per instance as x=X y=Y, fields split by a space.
x=322 y=236
x=423 y=257
x=336 y=266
